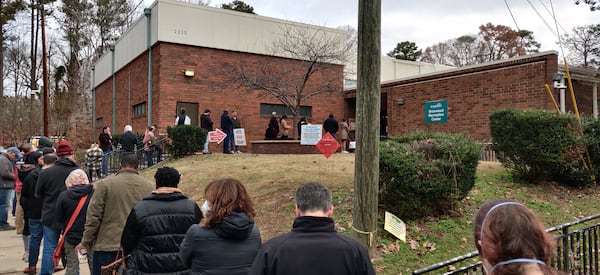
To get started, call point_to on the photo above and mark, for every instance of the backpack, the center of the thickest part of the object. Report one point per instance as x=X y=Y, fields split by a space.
x=181 y=120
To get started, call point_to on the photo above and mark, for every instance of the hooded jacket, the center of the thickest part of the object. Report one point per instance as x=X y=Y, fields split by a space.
x=50 y=184
x=227 y=248
x=65 y=206
x=31 y=205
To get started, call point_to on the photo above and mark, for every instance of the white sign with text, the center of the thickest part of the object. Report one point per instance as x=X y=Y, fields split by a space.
x=311 y=134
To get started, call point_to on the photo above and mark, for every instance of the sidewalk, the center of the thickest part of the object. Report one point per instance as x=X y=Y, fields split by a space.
x=11 y=251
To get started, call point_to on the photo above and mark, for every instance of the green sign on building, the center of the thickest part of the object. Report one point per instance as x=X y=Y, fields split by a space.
x=436 y=111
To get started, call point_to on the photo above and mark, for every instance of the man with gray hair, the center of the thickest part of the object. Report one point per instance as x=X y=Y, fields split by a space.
x=128 y=140
x=313 y=246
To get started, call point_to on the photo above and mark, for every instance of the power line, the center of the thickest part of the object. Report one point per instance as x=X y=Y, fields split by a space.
x=512 y=16
x=542 y=18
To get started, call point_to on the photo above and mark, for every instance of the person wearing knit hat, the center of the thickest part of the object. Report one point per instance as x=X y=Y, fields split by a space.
x=78 y=186
x=64 y=148
x=50 y=184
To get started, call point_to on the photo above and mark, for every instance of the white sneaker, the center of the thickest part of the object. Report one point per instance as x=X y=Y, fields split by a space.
x=25 y=257
x=345 y=152
x=239 y=152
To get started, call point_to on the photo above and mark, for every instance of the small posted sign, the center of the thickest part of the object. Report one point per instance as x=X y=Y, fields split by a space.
x=395 y=226
x=311 y=134
x=436 y=111
x=239 y=136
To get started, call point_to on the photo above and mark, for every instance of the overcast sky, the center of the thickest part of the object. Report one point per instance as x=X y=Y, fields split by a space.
x=428 y=22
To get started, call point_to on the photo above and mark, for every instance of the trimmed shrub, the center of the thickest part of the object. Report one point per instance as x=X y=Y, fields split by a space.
x=539 y=145
x=425 y=174
x=185 y=139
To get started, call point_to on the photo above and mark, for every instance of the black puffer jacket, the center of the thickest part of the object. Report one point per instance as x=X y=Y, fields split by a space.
x=228 y=248
x=65 y=206
x=31 y=204
x=154 y=230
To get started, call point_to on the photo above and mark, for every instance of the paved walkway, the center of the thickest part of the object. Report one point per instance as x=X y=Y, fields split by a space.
x=11 y=251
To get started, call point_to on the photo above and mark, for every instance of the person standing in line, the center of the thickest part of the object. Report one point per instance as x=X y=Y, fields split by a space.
x=105 y=140
x=7 y=184
x=157 y=225
x=313 y=246
x=284 y=127
x=331 y=125
x=107 y=212
x=512 y=240
x=300 y=123
x=93 y=161
x=149 y=142
x=227 y=240
x=182 y=118
x=128 y=140
x=23 y=170
x=158 y=144
x=273 y=128
x=344 y=130
x=78 y=186
x=50 y=184
x=227 y=127
x=33 y=206
x=236 y=125
x=207 y=124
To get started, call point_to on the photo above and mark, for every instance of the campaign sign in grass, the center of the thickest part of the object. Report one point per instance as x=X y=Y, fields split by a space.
x=311 y=134
x=436 y=111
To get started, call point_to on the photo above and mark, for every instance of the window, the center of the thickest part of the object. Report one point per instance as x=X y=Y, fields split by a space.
x=266 y=109
x=139 y=109
x=99 y=122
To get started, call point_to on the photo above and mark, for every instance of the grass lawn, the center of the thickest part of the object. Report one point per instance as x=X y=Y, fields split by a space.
x=272 y=180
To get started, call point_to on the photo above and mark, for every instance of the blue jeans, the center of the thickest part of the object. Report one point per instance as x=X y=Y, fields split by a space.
x=104 y=162
x=5 y=195
x=101 y=258
x=51 y=236
x=227 y=142
x=14 y=203
x=205 y=149
x=149 y=157
x=37 y=232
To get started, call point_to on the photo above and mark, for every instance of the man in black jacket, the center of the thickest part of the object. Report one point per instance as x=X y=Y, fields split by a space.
x=50 y=184
x=157 y=225
x=128 y=140
x=207 y=124
x=331 y=125
x=313 y=246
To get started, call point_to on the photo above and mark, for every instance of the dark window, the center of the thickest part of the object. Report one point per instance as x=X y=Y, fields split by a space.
x=99 y=123
x=139 y=109
x=266 y=109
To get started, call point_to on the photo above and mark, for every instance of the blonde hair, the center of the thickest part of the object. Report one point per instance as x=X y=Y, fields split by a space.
x=77 y=177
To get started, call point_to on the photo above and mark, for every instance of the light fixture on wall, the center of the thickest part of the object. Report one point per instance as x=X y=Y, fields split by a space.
x=188 y=73
x=399 y=101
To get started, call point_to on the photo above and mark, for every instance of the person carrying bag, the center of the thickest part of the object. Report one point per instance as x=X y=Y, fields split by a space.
x=61 y=242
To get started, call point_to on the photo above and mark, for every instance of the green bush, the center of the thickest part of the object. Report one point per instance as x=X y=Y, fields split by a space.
x=591 y=134
x=425 y=174
x=539 y=146
x=185 y=139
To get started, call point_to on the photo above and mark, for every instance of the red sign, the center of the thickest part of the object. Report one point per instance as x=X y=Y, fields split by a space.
x=328 y=145
x=216 y=136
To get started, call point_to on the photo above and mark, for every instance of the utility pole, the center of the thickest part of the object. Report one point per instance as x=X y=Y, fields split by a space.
x=44 y=67
x=368 y=106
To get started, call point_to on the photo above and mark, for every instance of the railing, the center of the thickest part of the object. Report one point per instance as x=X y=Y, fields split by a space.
x=112 y=159
x=577 y=252
x=487 y=153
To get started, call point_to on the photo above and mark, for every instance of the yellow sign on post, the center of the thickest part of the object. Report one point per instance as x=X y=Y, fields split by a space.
x=395 y=226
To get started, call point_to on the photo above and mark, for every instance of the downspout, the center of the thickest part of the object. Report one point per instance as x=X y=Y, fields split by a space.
x=148 y=13
x=94 y=102
x=114 y=107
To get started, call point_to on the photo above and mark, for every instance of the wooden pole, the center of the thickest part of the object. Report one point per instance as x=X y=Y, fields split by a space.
x=44 y=68
x=368 y=106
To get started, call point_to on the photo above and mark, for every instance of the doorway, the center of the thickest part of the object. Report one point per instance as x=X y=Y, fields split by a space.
x=191 y=110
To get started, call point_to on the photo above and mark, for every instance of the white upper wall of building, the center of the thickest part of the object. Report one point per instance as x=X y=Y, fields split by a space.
x=392 y=68
x=203 y=26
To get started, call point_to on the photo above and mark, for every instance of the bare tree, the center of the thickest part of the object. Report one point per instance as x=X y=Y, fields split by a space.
x=319 y=55
x=584 y=45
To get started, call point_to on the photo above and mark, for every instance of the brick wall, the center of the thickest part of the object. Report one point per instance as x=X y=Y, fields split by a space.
x=212 y=87
x=472 y=94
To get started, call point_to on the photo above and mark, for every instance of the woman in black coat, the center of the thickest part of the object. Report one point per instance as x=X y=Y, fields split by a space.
x=227 y=240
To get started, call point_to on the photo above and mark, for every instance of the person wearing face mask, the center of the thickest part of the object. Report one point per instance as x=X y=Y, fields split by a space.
x=512 y=240
x=156 y=226
x=226 y=240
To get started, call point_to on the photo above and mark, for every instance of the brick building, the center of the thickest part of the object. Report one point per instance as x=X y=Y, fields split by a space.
x=194 y=51
x=473 y=92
